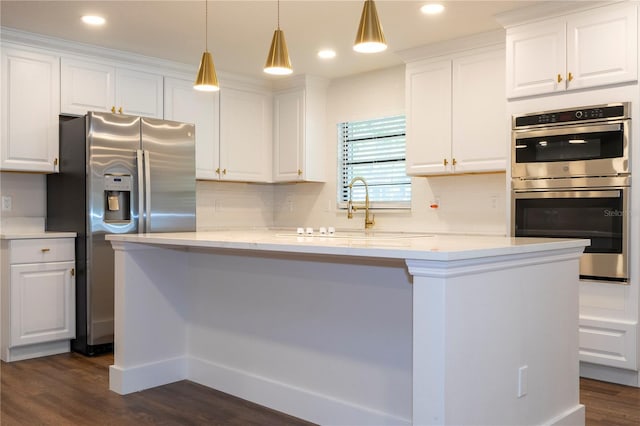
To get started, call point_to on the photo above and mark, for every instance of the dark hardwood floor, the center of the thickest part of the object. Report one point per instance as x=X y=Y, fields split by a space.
x=71 y=389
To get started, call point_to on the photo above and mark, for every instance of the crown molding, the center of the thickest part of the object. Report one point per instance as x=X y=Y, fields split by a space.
x=546 y=10
x=487 y=39
x=66 y=48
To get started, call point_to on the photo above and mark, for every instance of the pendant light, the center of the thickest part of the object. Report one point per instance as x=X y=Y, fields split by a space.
x=369 y=38
x=206 y=80
x=278 y=62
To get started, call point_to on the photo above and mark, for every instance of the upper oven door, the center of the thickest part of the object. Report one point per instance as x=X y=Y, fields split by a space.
x=571 y=151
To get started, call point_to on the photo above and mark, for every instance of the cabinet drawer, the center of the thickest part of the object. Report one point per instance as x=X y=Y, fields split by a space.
x=42 y=250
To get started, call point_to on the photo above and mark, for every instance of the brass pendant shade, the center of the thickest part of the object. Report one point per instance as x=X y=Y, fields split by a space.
x=370 y=38
x=278 y=62
x=206 y=79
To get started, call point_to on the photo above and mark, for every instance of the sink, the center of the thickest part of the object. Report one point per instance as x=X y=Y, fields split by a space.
x=357 y=235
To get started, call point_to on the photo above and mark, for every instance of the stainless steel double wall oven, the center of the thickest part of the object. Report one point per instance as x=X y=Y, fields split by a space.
x=571 y=179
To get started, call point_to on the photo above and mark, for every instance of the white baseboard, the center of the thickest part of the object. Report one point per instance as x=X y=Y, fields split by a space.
x=133 y=379
x=604 y=373
x=36 y=350
x=298 y=402
x=573 y=417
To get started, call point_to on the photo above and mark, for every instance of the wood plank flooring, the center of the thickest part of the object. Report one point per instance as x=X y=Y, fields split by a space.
x=71 y=389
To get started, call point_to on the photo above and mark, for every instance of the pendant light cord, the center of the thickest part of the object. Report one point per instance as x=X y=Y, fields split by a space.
x=278 y=14
x=206 y=29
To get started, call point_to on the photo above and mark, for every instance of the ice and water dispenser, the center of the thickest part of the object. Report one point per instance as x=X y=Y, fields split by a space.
x=117 y=198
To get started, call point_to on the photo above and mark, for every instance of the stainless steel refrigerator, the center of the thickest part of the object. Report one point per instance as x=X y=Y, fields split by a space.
x=118 y=174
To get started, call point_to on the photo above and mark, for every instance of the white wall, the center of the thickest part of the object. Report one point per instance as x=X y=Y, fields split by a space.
x=233 y=204
x=28 y=200
x=469 y=204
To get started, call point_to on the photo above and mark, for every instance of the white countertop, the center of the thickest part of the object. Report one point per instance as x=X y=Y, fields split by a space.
x=375 y=244
x=33 y=235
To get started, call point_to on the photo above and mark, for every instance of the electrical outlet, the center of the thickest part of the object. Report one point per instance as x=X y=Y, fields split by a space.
x=6 y=203
x=522 y=381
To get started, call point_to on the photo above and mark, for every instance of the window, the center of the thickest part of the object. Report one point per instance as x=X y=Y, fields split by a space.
x=375 y=151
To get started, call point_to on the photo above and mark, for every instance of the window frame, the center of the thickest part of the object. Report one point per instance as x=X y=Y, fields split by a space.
x=341 y=184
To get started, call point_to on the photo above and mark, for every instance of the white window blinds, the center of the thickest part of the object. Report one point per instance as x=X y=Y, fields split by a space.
x=375 y=151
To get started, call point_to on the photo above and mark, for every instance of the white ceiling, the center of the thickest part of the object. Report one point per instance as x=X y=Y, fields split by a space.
x=240 y=31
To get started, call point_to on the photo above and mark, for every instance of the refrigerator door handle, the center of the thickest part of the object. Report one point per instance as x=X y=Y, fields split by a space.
x=147 y=190
x=141 y=211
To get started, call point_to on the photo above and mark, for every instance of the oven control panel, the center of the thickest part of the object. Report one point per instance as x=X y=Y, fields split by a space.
x=601 y=112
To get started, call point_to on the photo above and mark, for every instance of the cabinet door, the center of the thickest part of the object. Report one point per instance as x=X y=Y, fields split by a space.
x=480 y=137
x=30 y=109
x=42 y=302
x=86 y=86
x=602 y=46
x=428 y=98
x=183 y=103
x=288 y=143
x=245 y=135
x=139 y=93
x=536 y=58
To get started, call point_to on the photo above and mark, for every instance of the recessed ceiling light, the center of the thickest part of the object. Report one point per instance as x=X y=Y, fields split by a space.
x=432 y=9
x=327 y=53
x=93 y=20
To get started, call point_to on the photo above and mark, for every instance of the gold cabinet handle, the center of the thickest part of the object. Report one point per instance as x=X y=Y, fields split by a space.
x=45 y=250
x=73 y=272
x=559 y=78
x=120 y=110
x=55 y=161
x=454 y=162
x=445 y=162
x=113 y=109
x=570 y=77
x=299 y=172
x=224 y=171
x=218 y=171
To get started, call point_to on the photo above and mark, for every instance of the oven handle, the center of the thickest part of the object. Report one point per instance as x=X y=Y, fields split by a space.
x=569 y=130
x=567 y=194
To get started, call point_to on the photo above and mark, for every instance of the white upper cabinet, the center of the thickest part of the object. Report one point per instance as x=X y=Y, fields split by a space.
x=428 y=98
x=30 y=109
x=456 y=113
x=480 y=127
x=94 y=86
x=183 y=103
x=299 y=148
x=245 y=135
x=587 y=49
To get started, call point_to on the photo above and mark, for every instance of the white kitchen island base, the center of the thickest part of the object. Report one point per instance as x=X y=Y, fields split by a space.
x=355 y=332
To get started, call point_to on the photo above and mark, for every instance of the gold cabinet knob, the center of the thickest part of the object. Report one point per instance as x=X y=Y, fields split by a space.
x=73 y=272
x=559 y=78
x=570 y=77
x=454 y=162
x=113 y=109
x=55 y=161
x=120 y=110
x=224 y=171
x=299 y=172
x=445 y=162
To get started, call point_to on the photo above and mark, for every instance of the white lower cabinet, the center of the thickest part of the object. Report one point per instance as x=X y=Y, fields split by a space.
x=38 y=297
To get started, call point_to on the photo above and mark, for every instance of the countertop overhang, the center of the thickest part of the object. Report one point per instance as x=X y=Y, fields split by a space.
x=438 y=247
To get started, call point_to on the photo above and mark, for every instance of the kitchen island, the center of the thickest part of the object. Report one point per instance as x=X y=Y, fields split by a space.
x=355 y=329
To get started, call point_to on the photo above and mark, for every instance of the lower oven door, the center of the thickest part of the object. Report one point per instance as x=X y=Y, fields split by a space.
x=600 y=215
